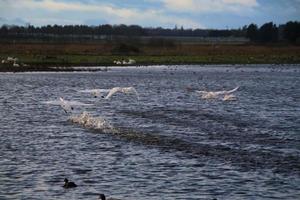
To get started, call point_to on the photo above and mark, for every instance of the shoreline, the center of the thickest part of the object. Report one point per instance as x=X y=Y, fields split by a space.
x=105 y=68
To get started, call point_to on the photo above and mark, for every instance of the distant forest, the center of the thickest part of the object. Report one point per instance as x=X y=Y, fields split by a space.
x=267 y=33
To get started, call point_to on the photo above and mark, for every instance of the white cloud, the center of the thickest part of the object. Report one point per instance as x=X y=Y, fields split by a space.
x=209 y=6
x=248 y=3
x=41 y=12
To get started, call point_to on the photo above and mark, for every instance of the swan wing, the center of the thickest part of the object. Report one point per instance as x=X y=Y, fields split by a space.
x=113 y=91
x=133 y=90
x=94 y=90
x=233 y=90
x=226 y=91
x=66 y=105
x=201 y=92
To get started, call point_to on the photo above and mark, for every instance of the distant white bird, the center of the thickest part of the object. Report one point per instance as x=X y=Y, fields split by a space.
x=216 y=94
x=11 y=59
x=65 y=105
x=131 y=61
x=125 y=90
x=16 y=64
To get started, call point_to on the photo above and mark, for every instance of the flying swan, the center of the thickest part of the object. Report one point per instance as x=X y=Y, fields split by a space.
x=96 y=92
x=65 y=105
x=229 y=97
x=125 y=90
x=216 y=94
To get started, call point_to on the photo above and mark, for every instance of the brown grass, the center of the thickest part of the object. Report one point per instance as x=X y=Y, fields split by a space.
x=48 y=54
x=106 y=49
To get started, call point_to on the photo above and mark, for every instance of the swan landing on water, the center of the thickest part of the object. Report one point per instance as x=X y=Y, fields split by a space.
x=88 y=121
x=125 y=90
x=216 y=94
x=229 y=97
x=65 y=105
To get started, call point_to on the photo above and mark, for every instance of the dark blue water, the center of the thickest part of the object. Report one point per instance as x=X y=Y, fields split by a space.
x=170 y=144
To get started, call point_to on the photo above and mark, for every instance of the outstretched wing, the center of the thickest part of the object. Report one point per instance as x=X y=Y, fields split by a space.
x=133 y=90
x=226 y=91
x=201 y=92
x=229 y=97
x=95 y=92
x=65 y=106
x=233 y=90
x=113 y=91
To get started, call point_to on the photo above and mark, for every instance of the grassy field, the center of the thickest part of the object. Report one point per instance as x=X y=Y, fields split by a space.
x=39 y=55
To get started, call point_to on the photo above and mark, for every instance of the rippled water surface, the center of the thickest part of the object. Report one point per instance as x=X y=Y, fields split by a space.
x=169 y=144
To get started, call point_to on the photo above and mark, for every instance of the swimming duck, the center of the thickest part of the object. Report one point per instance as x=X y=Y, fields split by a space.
x=102 y=197
x=69 y=184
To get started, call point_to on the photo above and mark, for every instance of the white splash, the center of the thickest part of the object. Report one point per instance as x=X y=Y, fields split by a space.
x=88 y=121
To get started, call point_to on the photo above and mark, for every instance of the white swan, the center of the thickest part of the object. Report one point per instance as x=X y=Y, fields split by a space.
x=96 y=92
x=229 y=97
x=65 y=105
x=88 y=121
x=131 y=61
x=213 y=95
x=125 y=90
x=16 y=64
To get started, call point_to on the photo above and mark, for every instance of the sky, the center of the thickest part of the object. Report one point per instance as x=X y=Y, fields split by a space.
x=211 y=14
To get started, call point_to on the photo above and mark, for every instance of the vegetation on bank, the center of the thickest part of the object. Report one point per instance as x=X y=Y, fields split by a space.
x=41 y=59
x=42 y=48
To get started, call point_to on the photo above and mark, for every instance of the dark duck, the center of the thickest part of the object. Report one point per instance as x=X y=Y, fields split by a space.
x=69 y=184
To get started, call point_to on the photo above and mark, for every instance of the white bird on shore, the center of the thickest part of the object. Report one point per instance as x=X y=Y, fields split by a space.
x=131 y=61
x=65 y=105
x=216 y=94
x=117 y=62
x=16 y=64
x=12 y=59
x=125 y=90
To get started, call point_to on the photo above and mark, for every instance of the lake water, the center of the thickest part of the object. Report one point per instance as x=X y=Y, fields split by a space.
x=169 y=144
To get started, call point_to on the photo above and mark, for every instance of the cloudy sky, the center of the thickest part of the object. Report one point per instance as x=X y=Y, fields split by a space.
x=150 y=13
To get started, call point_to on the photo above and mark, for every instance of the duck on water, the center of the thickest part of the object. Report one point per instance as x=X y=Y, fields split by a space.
x=69 y=184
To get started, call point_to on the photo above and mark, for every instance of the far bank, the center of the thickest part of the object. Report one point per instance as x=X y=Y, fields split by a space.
x=41 y=56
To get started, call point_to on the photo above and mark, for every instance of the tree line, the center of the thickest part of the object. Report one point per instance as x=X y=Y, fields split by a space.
x=120 y=30
x=270 y=33
x=267 y=33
